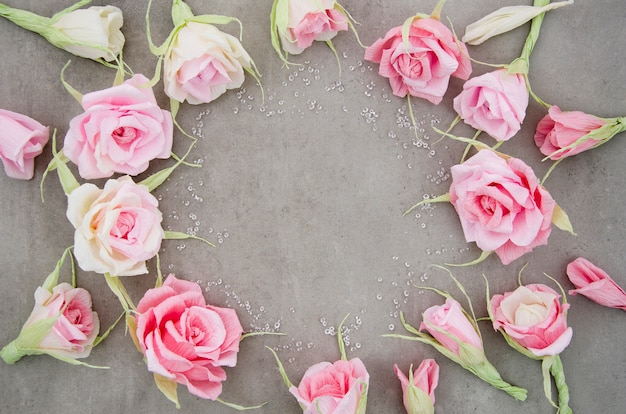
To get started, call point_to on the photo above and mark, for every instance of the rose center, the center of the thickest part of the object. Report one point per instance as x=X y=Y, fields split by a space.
x=529 y=315
x=488 y=204
x=125 y=223
x=124 y=135
x=73 y=316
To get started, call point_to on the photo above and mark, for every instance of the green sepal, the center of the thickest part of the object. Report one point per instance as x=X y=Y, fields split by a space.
x=406 y=28
x=167 y=386
x=239 y=407
x=561 y=220
x=362 y=400
x=106 y=333
x=546 y=363
x=58 y=163
x=342 y=346
x=483 y=256
x=281 y=369
x=53 y=278
x=279 y=16
x=69 y=88
x=177 y=235
x=158 y=178
x=261 y=333
x=418 y=401
x=118 y=289
x=444 y=198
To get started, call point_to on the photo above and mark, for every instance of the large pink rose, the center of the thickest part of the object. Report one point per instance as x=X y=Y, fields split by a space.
x=186 y=340
x=71 y=336
x=335 y=388
x=501 y=205
x=118 y=227
x=202 y=63
x=425 y=378
x=595 y=284
x=450 y=319
x=494 y=102
x=21 y=140
x=121 y=131
x=310 y=20
x=424 y=66
x=534 y=317
x=558 y=130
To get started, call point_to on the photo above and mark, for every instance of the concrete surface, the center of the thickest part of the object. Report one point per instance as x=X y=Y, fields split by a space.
x=303 y=197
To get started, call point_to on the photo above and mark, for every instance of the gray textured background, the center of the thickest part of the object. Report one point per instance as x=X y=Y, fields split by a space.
x=304 y=198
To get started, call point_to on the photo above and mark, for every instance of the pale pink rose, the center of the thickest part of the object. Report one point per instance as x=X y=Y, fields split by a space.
x=423 y=68
x=121 y=131
x=596 y=284
x=310 y=20
x=335 y=388
x=533 y=316
x=71 y=336
x=451 y=319
x=558 y=130
x=501 y=205
x=186 y=340
x=426 y=378
x=494 y=102
x=21 y=140
x=118 y=227
x=202 y=63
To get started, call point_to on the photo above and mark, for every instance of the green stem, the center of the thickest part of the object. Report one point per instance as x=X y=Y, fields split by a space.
x=11 y=353
x=25 y=19
x=520 y=65
x=488 y=373
x=556 y=369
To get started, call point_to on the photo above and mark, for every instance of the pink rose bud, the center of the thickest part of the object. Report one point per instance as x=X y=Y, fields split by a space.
x=118 y=227
x=71 y=326
x=596 y=284
x=121 y=131
x=501 y=205
x=449 y=325
x=184 y=339
x=423 y=65
x=563 y=134
x=307 y=21
x=533 y=316
x=333 y=388
x=418 y=390
x=21 y=140
x=494 y=102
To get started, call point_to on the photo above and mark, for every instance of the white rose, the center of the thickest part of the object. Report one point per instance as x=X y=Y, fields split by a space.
x=202 y=63
x=118 y=227
x=96 y=31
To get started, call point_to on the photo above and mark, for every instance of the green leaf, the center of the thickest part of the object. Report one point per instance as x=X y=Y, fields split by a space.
x=481 y=258
x=342 y=347
x=108 y=331
x=444 y=198
x=53 y=278
x=546 y=363
x=239 y=407
x=77 y=95
x=118 y=289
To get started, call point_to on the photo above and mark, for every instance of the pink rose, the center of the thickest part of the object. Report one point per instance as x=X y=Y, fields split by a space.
x=71 y=336
x=121 y=131
x=202 y=63
x=501 y=205
x=423 y=68
x=534 y=318
x=451 y=319
x=494 y=102
x=118 y=227
x=558 y=130
x=21 y=140
x=310 y=20
x=186 y=340
x=425 y=378
x=596 y=284
x=336 y=388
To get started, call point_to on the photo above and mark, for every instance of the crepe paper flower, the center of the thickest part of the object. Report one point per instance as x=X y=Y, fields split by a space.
x=92 y=33
x=418 y=390
x=117 y=227
x=595 y=284
x=295 y=24
x=339 y=387
x=496 y=102
x=564 y=134
x=420 y=56
x=121 y=130
x=501 y=205
x=454 y=332
x=534 y=322
x=503 y=20
x=21 y=139
x=62 y=323
x=185 y=340
x=200 y=62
